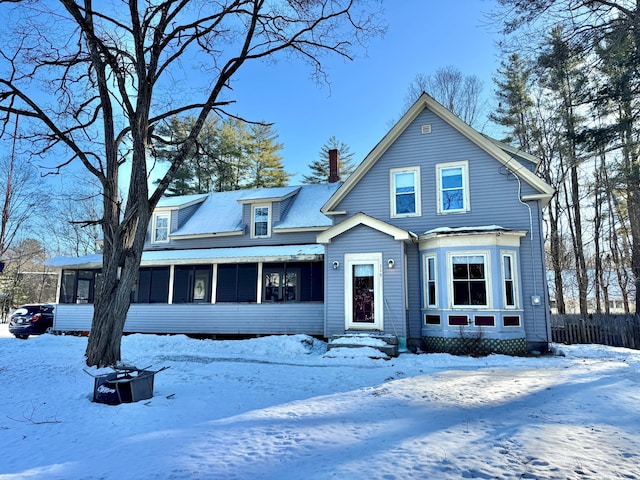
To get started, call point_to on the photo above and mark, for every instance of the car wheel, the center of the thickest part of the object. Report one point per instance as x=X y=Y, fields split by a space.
x=49 y=330
x=22 y=337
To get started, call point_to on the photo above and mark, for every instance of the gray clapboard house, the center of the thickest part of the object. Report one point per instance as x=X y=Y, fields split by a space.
x=434 y=239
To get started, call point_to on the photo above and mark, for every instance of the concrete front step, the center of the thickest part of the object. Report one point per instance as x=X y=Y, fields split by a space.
x=387 y=344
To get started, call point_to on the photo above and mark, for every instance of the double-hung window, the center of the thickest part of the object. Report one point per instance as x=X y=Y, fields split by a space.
x=469 y=280
x=405 y=192
x=160 y=233
x=261 y=221
x=430 y=285
x=508 y=280
x=453 y=187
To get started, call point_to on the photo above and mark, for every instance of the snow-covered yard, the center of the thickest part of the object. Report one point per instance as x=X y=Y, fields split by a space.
x=279 y=408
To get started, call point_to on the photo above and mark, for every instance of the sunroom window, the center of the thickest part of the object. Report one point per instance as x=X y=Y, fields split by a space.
x=281 y=285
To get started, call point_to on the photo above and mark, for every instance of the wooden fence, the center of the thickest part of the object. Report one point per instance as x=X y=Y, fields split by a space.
x=614 y=330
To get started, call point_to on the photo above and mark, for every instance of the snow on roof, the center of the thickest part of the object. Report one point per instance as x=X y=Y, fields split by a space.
x=246 y=254
x=267 y=193
x=93 y=259
x=178 y=201
x=482 y=228
x=305 y=211
x=220 y=212
x=233 y=253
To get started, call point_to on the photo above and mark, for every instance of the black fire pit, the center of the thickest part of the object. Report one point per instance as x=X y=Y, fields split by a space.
x=126 y=384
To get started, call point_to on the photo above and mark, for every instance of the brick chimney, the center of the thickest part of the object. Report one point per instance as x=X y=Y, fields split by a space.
x=334 y=165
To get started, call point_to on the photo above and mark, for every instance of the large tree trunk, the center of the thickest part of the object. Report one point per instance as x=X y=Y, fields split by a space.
x=124 y=240
x=111 y=305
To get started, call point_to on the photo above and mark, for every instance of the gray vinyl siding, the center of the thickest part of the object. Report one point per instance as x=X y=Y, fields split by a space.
x=491 y=189
x=277 y=211
x=414 y=318
x=533 y=277
x=362 y=239
x=494 y=200
x=218 y=319
x=184 y=214
x=283 y=209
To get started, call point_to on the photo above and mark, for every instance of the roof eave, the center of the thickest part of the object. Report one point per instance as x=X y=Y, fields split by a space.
x=190 y=236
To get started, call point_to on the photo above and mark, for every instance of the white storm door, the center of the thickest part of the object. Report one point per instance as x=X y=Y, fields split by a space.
x=363 y=301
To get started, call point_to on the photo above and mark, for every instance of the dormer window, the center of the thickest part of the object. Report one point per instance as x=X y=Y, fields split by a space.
x=160 y=230
x=261 y=221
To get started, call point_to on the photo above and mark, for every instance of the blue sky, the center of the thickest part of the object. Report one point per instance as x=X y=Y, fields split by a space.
x=368 y=93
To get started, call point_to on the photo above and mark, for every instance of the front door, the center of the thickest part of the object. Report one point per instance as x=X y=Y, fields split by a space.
x=363 y=292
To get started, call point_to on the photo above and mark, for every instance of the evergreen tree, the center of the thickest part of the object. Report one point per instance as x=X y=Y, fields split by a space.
x=320 y=168
x=265 y=163
x=565 y=78
x=192 y=176
x=227 y=155
x=514 y=102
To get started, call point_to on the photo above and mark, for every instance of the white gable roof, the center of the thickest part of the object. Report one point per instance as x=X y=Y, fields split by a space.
x=427 y=102
x=371 y=222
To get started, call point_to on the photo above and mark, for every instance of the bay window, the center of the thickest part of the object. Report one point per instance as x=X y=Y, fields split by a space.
x=469 y=280
x=508 y=280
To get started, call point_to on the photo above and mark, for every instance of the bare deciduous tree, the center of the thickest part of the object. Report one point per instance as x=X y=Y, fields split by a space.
x=96 y=79
x=460 y=94
x=21 y=194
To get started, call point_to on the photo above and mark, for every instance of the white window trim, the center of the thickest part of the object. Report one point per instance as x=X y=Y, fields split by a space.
x=392 y=191
x=425 y=267
x=153 y=227
x=253 y=220
x=465 y=186
x=514 y=279
x=351 y=259
x=487 y=272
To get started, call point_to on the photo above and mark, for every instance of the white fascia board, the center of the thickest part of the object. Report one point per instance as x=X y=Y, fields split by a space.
x=206 y=235
x=233 y=255
x=300 y=229
x=363 y=219
x=542 y=197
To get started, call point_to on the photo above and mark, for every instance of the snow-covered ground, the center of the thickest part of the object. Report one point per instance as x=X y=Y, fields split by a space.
x=279 y=408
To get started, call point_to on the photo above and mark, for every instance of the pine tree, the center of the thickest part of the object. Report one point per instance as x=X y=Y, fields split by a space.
x=227 y=155
x=320 y=168
x=265 y=163
x=514 y=102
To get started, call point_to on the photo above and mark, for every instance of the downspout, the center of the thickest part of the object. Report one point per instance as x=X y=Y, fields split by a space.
x=531 y=251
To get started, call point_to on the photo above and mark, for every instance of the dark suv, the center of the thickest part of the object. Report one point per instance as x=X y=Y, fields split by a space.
x=32 y=319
